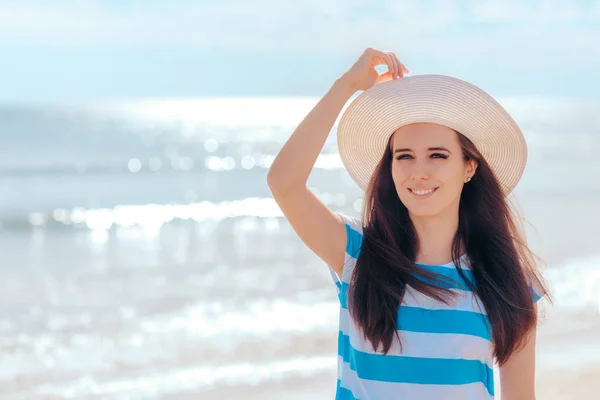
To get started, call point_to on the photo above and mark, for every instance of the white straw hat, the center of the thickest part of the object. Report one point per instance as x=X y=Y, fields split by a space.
x=369 y=121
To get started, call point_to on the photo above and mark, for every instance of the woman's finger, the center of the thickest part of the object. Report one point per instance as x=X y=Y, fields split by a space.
x=397 y=65
x=385 y=77
x=401 y=67
x=392 y=67
x=406 y=71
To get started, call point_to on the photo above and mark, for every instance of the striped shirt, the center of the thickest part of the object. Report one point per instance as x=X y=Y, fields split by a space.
x=447 y=352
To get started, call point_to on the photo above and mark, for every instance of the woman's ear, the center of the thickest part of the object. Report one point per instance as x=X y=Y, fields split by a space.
x=472 y=167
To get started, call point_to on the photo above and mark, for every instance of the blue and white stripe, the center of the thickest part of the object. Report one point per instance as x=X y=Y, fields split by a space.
x=447 y=350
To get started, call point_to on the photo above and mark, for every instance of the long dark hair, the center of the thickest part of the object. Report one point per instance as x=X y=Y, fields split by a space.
x=501 y=262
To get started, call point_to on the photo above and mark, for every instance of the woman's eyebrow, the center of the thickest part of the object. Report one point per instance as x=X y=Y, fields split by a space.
x=429 y=149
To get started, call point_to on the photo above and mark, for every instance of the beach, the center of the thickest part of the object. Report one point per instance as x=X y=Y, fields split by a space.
x=146 y=259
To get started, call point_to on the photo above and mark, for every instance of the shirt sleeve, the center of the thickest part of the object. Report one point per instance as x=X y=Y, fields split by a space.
x=536 y=289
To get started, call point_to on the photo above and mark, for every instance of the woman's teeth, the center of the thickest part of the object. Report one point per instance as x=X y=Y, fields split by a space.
x=422 y=193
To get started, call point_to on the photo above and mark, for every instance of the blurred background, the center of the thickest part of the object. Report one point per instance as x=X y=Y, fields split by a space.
x=142 y=255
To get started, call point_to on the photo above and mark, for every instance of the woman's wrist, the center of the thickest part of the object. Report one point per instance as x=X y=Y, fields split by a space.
x=344 y=86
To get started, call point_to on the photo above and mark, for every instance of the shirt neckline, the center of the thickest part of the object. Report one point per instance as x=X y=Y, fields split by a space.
x=462 y=260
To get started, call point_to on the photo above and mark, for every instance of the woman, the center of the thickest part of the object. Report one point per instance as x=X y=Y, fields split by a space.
x=436 y=283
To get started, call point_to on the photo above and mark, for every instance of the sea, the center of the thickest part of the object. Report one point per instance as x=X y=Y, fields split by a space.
x=143 y=256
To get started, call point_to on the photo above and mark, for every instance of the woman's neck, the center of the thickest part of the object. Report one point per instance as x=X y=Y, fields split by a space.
x=435 y=236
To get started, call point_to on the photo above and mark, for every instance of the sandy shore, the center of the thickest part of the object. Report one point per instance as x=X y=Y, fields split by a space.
x=567 y=367
x=569 y=383
x=568 y=356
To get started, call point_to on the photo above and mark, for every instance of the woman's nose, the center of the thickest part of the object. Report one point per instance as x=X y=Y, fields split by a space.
x=419 y=171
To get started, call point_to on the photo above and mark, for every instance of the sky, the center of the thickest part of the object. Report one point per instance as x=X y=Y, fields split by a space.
x=66 y=50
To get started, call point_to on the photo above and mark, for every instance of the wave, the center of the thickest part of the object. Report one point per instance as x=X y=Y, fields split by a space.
x=575 y=284
x=190 y=379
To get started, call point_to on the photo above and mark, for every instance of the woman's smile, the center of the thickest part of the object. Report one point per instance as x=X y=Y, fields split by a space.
x=422 y=193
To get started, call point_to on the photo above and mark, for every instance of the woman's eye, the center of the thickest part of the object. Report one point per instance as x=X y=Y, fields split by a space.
x=434 y=155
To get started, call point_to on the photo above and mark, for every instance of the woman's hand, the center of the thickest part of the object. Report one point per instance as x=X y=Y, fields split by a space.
x=362 y=75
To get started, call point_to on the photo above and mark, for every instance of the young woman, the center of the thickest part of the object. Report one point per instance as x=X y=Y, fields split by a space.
x=435 y=281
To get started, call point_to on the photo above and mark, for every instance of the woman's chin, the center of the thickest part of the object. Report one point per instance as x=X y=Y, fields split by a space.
x=423 y=212
x=428 y=210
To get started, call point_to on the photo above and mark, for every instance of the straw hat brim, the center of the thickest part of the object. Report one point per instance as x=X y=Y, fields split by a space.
x=373 y=116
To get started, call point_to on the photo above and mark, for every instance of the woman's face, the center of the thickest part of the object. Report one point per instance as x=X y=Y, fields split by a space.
x=428 y=168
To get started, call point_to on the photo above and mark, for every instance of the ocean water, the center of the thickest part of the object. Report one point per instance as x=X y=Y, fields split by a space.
x=143 y=258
